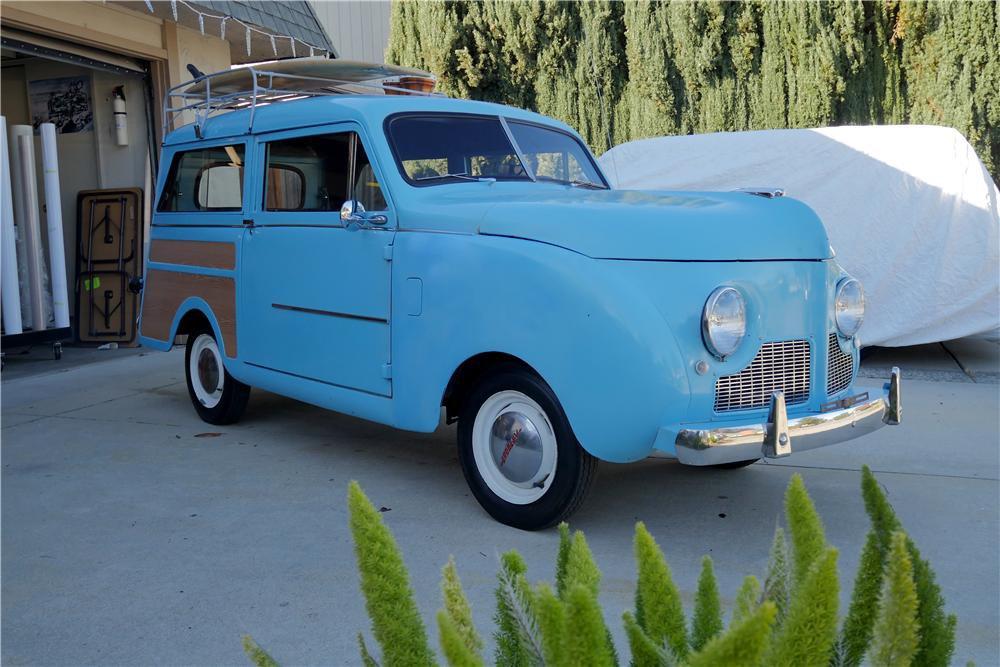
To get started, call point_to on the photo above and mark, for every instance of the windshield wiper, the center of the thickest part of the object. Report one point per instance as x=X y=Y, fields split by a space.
x=462 y=175
x=587 y=184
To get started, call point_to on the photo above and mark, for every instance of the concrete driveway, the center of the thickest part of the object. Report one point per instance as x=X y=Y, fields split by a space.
x=132 y=534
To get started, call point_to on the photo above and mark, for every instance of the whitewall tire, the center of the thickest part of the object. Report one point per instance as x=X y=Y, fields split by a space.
x=518 y=452
x=217 y=396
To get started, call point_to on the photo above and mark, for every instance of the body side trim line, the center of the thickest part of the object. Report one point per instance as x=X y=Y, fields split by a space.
x=312 y=379
x=329 y=313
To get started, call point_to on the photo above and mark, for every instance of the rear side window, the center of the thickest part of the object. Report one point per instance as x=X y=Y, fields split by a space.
x=206 y=179
x=319 y=173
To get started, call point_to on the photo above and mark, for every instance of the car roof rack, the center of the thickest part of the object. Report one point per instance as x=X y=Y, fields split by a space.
x=285 y=81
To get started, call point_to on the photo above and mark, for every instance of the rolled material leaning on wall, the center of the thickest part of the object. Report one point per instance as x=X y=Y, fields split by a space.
x=32 y=233
x=10 y=292
x=54 y=223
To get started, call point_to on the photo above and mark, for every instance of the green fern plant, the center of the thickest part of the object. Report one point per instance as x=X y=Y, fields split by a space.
x=748 y=598
x=937 y=629
x=460 y=642
x=789 y=621
x=896 y=634
x=777 y=583
x=396 y=622
x=658 y=610
x=518 y=642
x=707 y=621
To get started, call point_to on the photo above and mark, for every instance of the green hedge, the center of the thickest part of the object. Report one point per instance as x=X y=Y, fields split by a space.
x=627 y=70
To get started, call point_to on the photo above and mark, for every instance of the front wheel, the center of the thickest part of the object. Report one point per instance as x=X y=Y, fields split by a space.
x=218 y=397
x=518 y=452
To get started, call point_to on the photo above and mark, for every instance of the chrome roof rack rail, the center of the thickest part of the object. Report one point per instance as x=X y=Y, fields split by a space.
x=255 y=86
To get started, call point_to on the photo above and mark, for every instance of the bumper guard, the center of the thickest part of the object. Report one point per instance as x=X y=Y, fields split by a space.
x=780 y=436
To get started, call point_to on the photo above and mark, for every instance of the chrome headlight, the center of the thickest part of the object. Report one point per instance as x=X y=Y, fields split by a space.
x=849 y=306
x=724 y=321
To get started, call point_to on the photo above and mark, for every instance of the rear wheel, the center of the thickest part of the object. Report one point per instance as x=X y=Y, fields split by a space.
x=518 y=452
x=218 y=397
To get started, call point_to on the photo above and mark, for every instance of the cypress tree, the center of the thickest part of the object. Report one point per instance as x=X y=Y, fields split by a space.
x=769 y=101
x=649 y=106
x=519 y=26
x=405 y=44
x=555 y=85
x=600 y=72
x=951 y=65
x=703 y=64
x=745 y=48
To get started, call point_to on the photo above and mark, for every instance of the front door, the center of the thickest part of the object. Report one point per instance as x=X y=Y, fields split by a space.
x=315 y=297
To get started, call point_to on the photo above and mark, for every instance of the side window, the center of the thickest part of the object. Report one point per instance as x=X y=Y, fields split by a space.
x=206 y=179
x=365 y=187
x=308 y=173
x=316 y=173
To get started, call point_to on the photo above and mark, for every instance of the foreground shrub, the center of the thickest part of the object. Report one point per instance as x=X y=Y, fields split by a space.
x=896 y=617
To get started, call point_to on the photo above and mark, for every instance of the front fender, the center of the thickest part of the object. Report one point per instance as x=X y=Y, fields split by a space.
x=599 y=342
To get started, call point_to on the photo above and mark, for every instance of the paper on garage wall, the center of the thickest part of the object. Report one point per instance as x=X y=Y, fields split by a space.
x=910 y=210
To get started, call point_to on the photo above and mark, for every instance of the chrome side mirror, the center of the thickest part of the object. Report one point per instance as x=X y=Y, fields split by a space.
x=354 y=217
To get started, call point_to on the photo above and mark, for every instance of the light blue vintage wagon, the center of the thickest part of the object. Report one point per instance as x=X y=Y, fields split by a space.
x=383 y=252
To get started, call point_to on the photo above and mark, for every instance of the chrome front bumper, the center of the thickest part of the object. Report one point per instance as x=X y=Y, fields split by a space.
x=780 y=436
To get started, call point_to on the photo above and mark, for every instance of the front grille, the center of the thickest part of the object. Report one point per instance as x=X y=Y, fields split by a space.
x=839 y=367
x=783 y=366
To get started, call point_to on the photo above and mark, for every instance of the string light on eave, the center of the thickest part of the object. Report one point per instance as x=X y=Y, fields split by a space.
x=248 y=28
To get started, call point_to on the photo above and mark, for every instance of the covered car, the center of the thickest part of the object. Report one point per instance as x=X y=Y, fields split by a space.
x=911 y=211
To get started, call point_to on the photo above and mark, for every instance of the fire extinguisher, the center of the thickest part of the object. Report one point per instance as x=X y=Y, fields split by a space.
x=121 y=117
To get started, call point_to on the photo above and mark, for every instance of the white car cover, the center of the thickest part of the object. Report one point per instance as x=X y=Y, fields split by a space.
x=910 y=210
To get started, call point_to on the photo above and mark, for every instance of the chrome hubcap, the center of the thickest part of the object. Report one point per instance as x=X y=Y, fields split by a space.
x=516 y=448
x=208 y=371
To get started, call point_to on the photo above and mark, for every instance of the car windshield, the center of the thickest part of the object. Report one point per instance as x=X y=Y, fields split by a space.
x=446 y=148
x=554 y=155
x=449 y=148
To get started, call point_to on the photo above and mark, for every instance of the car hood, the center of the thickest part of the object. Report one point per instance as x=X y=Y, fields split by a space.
x=645 y=225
